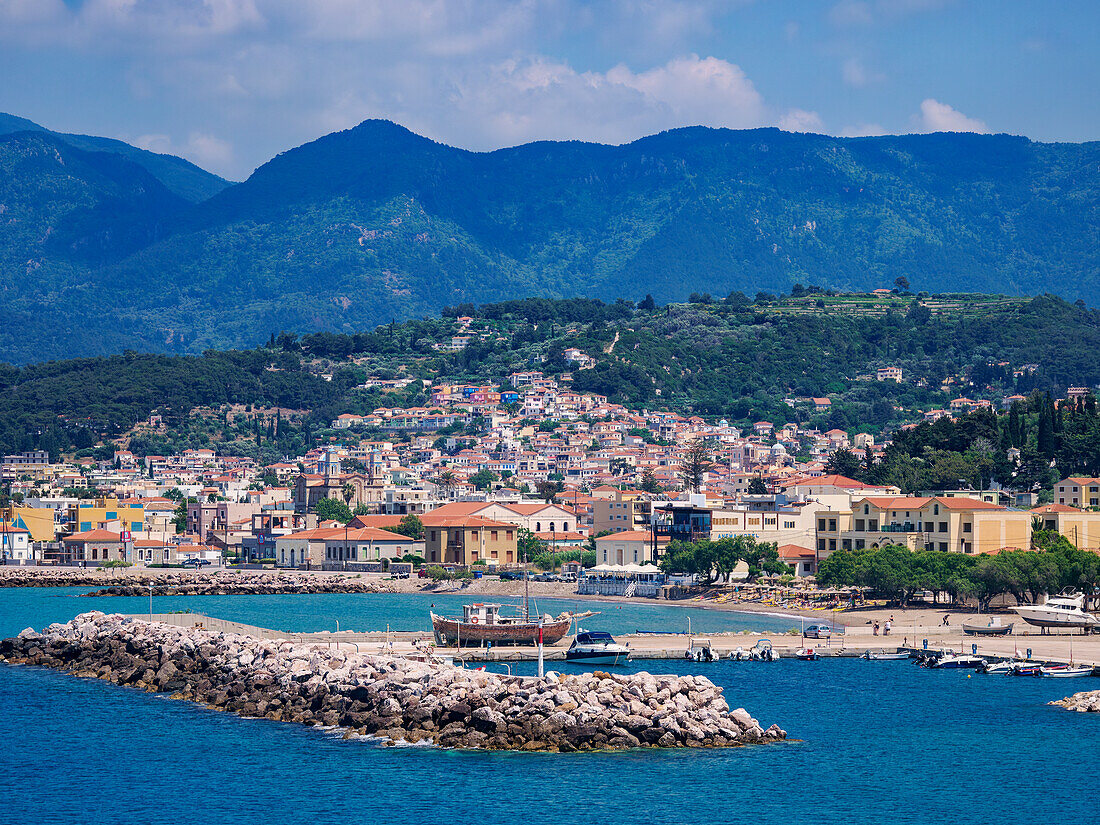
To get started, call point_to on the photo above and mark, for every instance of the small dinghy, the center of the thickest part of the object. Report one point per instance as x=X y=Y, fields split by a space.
x=807 y=654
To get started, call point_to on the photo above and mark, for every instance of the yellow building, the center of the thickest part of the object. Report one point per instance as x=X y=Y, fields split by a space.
x=105 y=514
x=1078 y=491
x=1080 y=527
x=624 y=510
x=466 y=539
x=955 y=525
x=37 y=520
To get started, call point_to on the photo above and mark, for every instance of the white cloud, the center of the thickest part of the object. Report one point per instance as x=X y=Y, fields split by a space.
x=863 y=130
x=201 y=148
x=856 y=74
x=939 y=117
x=799 y=120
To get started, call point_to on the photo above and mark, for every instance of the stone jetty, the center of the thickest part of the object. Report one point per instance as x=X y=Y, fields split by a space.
x=222 y=583
x=392 y=698
x=1087 y=701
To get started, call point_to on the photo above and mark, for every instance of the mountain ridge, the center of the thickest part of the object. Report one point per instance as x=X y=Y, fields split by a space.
x=376 y=222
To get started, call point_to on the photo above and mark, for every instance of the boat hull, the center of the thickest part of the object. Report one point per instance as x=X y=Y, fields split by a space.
x=453 y=632
x=1049 y=619
x=987 y=630
x=597 y=657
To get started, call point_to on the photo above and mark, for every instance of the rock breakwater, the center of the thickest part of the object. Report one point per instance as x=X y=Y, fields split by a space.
x=1087 y=701
x=392 y=698
x=222 y=583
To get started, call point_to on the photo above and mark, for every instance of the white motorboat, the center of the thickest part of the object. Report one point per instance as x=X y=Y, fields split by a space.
x=883 y=655
x=596 y=647
x=1005 y=668
x=1065 y=611
x=958 y=661
x=1066 y=671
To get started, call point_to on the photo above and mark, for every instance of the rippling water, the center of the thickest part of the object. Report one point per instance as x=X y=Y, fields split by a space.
x=882 y=742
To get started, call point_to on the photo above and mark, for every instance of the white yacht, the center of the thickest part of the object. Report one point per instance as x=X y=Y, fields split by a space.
x=596 y=647
x=1066 y=611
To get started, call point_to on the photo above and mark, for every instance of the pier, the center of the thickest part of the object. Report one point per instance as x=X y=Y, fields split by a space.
x=1058 y=649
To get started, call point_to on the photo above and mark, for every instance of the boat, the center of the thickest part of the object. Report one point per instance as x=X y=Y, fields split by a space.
x=763 y=651
x=1005 y=668
x=1066 y=671
x=596 y=647
x=483 y=623
x=1066 y=611
x=957 y=661
x=994 y=628
x=700 y=650
x=807 y=654
x=882 y=655
x=1027 y=669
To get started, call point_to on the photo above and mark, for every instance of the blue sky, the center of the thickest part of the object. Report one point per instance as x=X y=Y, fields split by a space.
x=229 y=83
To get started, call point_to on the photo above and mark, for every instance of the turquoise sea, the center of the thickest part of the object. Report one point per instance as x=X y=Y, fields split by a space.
x=880 y=742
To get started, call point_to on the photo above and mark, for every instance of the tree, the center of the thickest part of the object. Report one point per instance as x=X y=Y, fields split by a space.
x=757 y=487
x=647 y=304
x=528 y=545
x=844 y=463
x=548 y=491
x=348 y=492
x=901 y=283
x=446 y=481
x=695 y=464
x=649 y=482
x=329 y=509
x=411 y=526
x=483 y=479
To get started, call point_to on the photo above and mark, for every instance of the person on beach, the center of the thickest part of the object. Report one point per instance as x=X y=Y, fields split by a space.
x=875 y=630
x=946 y=621
x=886 y=627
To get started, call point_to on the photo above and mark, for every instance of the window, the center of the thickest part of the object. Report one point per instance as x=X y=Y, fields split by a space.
x=432 y=536
x=85 y=526
x=943 y=526
x=538 y=526
x=832 y=545
x=872 y=525
x=846 y=544
x=821 y=524
x=111 y=515
x=820 y=546
x=508 y=535
x=860 y=524
x=866 y=509
x=967 y=527
x=832 y=525
x=935 y=509
x=860 y=544
x=492 y=535
x=1093 y=502
x=943 y=546
x=552 y=527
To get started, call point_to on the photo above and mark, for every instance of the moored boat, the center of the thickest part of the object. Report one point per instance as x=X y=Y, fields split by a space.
x=883 y=655
x=1066 y=671
x=807 y=654
x=958 y=661
x=597 y=647
x=483 y=623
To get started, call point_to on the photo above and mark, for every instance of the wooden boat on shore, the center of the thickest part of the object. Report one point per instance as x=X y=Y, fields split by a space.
x=483 y=623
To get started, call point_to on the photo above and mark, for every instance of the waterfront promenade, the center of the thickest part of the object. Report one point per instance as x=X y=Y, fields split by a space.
x=853 y=643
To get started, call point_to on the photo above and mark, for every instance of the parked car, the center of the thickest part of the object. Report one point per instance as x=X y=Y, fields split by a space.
x=195 y=562
x=818 y=631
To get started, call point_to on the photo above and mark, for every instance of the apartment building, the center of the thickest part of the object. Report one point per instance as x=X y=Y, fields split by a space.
x=624 y=510
x=1078 y=491
x=957 y=525
x=1081 y=528
x=467 y=539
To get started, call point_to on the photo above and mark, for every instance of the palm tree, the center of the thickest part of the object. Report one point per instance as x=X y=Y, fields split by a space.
x=348 y=492
x=446 y=481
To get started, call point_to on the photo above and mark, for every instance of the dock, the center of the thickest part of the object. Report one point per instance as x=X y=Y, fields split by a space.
x=1057 y=649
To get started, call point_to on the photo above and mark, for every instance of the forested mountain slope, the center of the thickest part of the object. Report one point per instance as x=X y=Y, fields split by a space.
x=376 y=223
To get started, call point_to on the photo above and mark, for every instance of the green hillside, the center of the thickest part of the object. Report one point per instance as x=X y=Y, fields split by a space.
x=179 y=176
x=376 y=223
